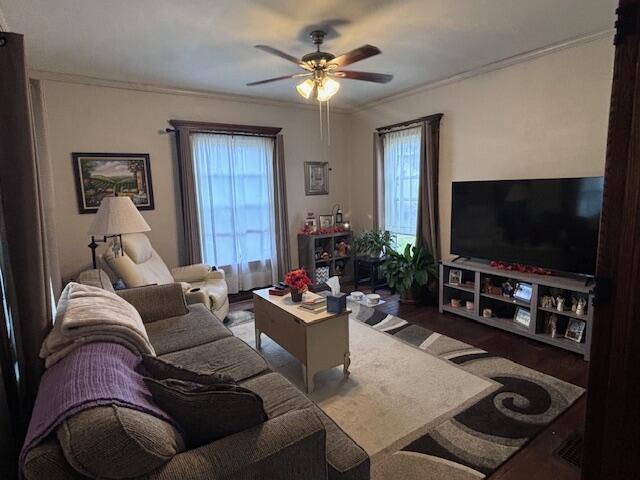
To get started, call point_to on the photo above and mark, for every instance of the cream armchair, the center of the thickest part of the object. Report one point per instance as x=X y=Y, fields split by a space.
x=141 y=265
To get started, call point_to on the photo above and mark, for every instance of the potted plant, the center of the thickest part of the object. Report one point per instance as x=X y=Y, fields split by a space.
x=409 y=272
x=298 y=281
x=372 y=243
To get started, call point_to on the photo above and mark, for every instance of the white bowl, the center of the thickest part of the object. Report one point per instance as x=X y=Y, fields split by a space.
x=373 y=298
x=357 y=296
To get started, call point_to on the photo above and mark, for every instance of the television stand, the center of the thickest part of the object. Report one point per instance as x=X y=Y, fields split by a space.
x=460 y=257
x=477 y=276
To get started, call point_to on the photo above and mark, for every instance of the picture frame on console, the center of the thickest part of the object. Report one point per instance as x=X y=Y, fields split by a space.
x=575 y=330
x=326 y=221
x=522 y=317
x=523 y=292
x=455 y=277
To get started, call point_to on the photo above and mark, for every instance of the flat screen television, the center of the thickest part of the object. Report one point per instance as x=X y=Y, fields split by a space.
x=551 y=223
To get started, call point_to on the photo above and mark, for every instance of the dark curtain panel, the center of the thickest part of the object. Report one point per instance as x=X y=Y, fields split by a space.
x=190 y=221
x=282 y=215
x=26 y=201
x=428 y=229
x=378 y=181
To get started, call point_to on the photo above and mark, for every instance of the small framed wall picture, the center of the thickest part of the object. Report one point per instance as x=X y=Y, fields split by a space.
x=326 y=221
x=523 y=292
x=316 y=178
x=455 y=277
x=575 y=330
x=100 y=175
x=522 y=317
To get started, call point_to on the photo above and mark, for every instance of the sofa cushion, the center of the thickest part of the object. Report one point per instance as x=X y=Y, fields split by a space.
x=117 y=442
x=228 y=355
x=347 y=461
x=47 y=461
x=162 y=369
x=156 y=302
x=207 y=412
x=96 y=278
x=195 y=328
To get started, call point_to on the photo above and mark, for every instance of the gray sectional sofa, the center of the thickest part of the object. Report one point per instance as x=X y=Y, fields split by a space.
x=298 y=441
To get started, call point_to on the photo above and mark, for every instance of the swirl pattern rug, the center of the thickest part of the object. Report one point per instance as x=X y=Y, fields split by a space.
x=476 y=441
x=471 y=442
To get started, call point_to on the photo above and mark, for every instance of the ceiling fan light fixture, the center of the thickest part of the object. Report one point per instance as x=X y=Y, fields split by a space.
x=327 y=89
x=306 y=88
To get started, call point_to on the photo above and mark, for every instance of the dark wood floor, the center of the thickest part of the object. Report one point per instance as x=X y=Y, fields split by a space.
x=535 y=460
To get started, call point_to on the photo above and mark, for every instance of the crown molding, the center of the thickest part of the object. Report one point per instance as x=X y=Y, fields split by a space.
x=4 y=26
x=167 y=90
x=489 y=67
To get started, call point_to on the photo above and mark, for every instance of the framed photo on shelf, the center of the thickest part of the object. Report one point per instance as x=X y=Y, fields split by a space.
x=326 y=221
x=523 y=292
x=575 y=330
x=455 y=277
x=316 y=178
x=522 y=317
x=100 y=175
x=311 y=223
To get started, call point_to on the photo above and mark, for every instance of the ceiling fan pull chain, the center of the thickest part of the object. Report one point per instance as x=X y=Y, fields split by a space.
x=328 y=125
x=320 y=111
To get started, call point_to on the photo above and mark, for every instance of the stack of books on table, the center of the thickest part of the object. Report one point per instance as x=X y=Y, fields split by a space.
x=315 y=305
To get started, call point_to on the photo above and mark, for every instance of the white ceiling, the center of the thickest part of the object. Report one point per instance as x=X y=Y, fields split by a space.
x=208 y=44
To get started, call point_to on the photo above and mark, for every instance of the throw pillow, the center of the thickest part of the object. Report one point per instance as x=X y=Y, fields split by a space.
x=162 y=370
x=207 y=412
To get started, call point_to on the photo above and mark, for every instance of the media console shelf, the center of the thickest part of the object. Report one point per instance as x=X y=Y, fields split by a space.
x=474 y=276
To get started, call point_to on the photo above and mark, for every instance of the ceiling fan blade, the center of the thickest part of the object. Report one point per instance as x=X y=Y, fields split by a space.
x=284 y=77
x=279 y=53
x=356 y=55
x=366 y=76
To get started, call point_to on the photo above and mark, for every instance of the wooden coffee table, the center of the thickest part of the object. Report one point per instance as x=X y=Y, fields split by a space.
x=318 y=340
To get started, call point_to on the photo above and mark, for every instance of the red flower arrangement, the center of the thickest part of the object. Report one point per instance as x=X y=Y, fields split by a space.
x=298 y=280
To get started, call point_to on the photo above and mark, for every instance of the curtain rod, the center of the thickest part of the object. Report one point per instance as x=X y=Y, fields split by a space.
x=226 y=132
x=411 y=123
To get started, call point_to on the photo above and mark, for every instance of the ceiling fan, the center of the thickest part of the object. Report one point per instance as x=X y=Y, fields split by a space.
x=323 y=68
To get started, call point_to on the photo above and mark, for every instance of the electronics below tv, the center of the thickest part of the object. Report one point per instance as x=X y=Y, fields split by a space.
x=550 y=223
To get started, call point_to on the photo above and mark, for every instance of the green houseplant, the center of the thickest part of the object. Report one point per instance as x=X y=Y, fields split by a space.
x=410 y=272
x=372 y=243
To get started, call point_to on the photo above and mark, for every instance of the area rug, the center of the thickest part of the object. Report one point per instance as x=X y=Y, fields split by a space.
x=448 y=426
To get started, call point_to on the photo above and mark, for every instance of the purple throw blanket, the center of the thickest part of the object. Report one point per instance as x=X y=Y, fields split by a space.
x=94 y=374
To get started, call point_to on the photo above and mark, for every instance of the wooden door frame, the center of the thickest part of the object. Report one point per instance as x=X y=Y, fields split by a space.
x=612 y=434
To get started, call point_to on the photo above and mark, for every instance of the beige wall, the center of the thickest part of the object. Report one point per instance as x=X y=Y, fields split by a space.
x=539 y=119
x=85 y=118
x=543 y=118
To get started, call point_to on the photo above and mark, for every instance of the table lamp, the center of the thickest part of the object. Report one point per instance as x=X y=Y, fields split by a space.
x=116 y=215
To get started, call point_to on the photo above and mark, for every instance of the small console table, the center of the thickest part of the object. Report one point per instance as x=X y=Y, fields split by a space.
x=470 y=289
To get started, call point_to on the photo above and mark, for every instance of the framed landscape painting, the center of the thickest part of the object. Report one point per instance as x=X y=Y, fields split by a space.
x=100 y=175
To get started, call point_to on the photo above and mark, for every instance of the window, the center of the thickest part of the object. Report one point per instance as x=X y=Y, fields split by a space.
x=401 y=178
x=235 y=194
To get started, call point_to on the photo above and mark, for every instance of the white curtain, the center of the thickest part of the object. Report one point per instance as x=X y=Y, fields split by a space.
x=235 y=193
x=401 y=167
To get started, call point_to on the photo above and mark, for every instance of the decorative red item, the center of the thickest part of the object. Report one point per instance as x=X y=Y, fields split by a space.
x=519 y=267
x=306 y=230
x=297 y=280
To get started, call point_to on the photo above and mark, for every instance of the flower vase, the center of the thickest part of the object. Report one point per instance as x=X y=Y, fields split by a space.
x=296 y=296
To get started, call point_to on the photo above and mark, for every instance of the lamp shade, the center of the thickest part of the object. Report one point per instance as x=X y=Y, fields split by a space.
x=117 y=215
